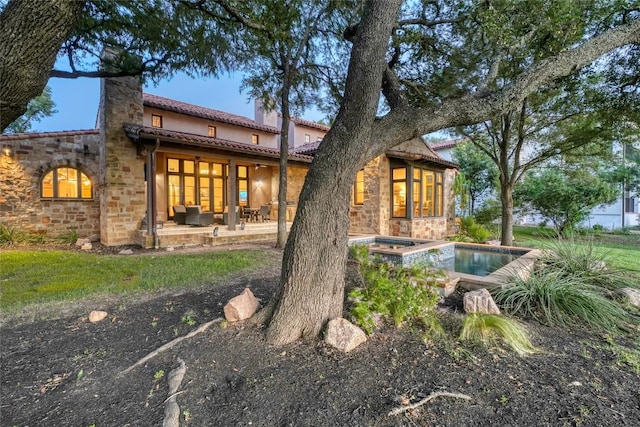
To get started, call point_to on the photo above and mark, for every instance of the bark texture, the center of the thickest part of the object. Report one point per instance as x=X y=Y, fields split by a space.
x=31 y=34
x=312 y=282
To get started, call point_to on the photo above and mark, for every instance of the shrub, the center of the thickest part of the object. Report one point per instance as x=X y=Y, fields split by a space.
x=470 y=231
x=584 y=260
x=9 y=235
x=394 y=293
x=489 y=328
x=554 y=298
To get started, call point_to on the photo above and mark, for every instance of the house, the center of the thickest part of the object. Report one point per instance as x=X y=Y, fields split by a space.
x=150 y=154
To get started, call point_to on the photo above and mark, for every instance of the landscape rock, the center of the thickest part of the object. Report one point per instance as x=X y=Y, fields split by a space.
x=344 y=335
x=94 y=238
x=241 y=307
x=170 y=249
x=87 y=246
x=82 y=242
x=97 y=316
x=125 y=252
x=633 y=295
x=480 y=301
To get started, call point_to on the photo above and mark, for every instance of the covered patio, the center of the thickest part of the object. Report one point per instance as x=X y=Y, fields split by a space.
x=220 y=176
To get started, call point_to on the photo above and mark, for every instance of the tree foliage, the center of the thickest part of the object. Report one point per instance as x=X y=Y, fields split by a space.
x=38 y=108
x=564 y=196
x=480 y=172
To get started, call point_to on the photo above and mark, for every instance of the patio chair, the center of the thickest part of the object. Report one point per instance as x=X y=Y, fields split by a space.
x=195 y=216
x=265 y=212
x=225 y=216
x=245 y=214
x=179 y=214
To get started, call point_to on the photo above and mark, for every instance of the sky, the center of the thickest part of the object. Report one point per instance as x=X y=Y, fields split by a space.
x=77 y=99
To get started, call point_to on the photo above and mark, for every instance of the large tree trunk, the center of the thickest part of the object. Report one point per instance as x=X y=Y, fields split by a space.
x=312 y=283
x=31 y=34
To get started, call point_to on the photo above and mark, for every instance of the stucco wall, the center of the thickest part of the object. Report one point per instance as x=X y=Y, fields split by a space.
x=200 y=126
x=30 y=157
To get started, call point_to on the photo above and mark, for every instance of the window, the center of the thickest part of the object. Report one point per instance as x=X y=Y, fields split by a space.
x=307 y=138
x=196 y=183
x=358 y=189
x=426 y=197
x=212 y=131
x=66 y=183
x=243 y=185
x=630 y=205
x=254 y=139
x=156 y=121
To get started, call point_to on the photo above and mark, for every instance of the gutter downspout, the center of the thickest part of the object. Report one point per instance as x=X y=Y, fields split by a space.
x=152 y=212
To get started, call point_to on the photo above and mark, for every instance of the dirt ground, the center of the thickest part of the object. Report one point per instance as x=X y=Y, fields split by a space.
x=58 y=369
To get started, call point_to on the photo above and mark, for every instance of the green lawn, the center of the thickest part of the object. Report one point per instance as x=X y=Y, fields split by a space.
x=32 y=276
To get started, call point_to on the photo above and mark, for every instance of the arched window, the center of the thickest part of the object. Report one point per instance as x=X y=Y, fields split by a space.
x=66 y=183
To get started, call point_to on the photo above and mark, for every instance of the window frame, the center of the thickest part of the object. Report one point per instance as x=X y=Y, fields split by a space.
x=153 y=119
x=55 y=185
x=255 y=139
x=415 y=205
x=212 y=131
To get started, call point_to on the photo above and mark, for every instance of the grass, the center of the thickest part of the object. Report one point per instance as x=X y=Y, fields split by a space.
x=621 y=251
x=553 y=298
x=31 y=276
x=488 y=328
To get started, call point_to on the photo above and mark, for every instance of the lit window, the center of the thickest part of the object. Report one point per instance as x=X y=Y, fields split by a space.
x=254 y=139
x=66 y=183
x=212 y=131
x=307 y=138
x=426 y=194
x=156 y=121
x=358 y=189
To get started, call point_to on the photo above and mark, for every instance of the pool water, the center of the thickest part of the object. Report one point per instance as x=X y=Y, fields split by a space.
x=478 y=263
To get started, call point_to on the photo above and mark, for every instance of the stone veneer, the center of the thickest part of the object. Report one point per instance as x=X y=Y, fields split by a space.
x=374 y=216
x=123 y=196
x=25 y=158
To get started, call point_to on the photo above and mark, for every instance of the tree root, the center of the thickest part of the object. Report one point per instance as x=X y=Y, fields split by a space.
x=432 y=396
x=170 y=344
x=171 y=409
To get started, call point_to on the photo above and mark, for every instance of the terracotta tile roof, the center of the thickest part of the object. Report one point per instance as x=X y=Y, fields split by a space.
x=205 y=113
x=445 y=144
x=309 y=148
x=435 y=159
x=144 y=132
x=31 y=135
x=310 y=124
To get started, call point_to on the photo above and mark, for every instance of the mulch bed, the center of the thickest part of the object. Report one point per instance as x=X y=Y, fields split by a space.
x=64 y=371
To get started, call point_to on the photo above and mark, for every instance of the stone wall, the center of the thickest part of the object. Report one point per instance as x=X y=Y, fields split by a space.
x=123 y=195
x=374 y=215
x=25 y=159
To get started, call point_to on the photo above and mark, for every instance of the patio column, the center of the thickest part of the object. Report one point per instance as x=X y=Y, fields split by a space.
x=232 y=194
x=152 y=211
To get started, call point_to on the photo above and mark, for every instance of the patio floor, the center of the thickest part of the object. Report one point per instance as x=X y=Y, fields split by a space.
x=172 y=234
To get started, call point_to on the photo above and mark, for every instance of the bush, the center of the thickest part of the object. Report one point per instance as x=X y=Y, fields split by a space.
x=476 y=232
x=555 y=298
x=489 y=328
x=584 y=260
x=394 y=293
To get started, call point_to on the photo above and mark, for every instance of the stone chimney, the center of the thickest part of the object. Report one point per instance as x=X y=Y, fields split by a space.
x=122 y=186
x=264 y=117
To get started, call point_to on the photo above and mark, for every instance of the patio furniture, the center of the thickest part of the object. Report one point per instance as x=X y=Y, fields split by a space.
x=245 y=214
x=195 y=216
x=179 y=214
x=225 y=216
x=265 y=212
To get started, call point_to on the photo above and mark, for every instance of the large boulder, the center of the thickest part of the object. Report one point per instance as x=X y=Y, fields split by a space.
x=241 y=307
x=633 y=295
x=480 y=301
x=344 y=335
